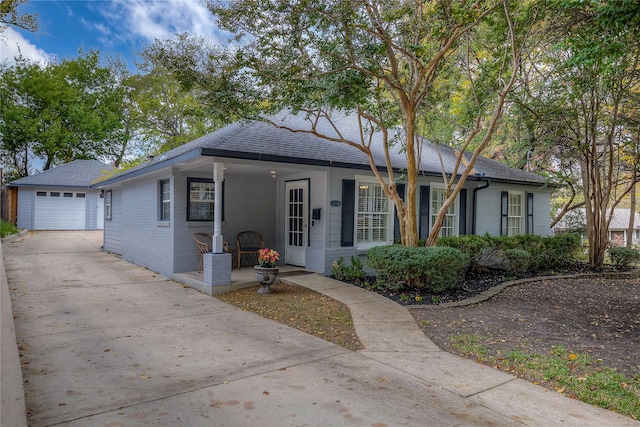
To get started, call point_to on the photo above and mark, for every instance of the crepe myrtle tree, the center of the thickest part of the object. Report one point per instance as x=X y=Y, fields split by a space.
x=583 y=94
x=407 y=64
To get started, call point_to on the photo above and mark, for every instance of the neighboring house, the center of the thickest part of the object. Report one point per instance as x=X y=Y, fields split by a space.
x=311 y=199
x=575 y=221
x=618 y=227
x=60 y=198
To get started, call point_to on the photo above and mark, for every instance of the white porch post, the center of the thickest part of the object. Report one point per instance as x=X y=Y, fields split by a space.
x=217 y=263
x=218 y=177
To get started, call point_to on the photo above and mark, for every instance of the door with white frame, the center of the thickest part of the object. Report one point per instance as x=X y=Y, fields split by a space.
x=297 y=222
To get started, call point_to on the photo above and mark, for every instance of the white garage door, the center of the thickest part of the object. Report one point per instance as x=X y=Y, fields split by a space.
x=60 y=210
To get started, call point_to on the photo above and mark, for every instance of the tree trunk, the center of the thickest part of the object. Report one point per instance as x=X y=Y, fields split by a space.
x=411 y=216
x=632 y=216
x=595 y=213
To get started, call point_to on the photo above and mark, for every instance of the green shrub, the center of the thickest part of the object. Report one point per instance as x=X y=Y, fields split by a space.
x=348 y=273
x=436 y=268
x=7 y=228
x=622 y=257
x=470 y=245
x=519 y=260
x=545 y=252
x=559 y=250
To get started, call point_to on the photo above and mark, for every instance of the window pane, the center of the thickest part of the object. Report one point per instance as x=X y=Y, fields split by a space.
x=514 y=217
x=438 y=197
x=165 y=208
x=373 y=213
x=201 y=199
x=107 y=205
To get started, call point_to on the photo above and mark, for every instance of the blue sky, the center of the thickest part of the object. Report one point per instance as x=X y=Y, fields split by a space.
x=110 y=26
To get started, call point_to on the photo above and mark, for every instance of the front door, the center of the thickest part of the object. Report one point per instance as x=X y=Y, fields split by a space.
x=297 y=219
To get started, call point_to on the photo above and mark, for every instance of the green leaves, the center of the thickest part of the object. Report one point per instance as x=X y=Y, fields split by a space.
x=59 y=112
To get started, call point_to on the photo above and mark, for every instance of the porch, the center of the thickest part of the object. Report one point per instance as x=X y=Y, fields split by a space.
x=240 y=278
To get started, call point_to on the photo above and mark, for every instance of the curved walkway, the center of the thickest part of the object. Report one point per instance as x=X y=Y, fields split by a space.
x=107 y=343
x=391 y=336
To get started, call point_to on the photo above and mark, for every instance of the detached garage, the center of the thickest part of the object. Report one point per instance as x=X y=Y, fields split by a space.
x=60 y=198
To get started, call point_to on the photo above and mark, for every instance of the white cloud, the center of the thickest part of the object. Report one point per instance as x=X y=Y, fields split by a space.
x=161 y=19
x=9 y=42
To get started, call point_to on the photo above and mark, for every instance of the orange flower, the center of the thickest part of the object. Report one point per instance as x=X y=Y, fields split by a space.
x=268 y=258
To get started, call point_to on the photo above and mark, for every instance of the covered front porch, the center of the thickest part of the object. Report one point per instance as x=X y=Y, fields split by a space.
x=240 y=278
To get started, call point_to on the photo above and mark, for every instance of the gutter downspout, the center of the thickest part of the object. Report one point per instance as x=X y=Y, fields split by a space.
x=475 y=204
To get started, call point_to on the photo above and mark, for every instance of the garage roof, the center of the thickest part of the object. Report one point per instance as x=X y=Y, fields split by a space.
x=78 y=173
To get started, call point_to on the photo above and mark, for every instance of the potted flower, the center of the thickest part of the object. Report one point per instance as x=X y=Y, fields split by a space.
x=266 y=270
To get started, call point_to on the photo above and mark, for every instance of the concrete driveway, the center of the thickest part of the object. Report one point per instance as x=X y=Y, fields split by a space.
x=107 y=343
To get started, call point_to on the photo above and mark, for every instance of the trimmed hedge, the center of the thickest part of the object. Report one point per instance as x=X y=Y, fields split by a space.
x=544 y=252
x=622 y=257
x=470 y=245
x=437 y=268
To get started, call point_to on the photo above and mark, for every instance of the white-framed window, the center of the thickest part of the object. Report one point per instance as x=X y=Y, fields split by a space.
x=449 y=224
x=165 y=200
x=515 y=214
x=374 y=219
x=201 y=199
x=107 y=205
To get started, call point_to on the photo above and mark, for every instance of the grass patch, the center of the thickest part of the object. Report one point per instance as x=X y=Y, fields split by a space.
x=7 y=229
x=572 y=374
x=300 y=308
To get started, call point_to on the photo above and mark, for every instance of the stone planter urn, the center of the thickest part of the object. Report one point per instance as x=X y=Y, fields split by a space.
x=266 y=276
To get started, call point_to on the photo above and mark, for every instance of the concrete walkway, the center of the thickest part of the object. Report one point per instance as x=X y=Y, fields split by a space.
x=107 y=343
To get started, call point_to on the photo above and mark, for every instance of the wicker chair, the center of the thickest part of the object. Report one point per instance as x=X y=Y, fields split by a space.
x=203 y=243
x=227 y=249
x=249 y=243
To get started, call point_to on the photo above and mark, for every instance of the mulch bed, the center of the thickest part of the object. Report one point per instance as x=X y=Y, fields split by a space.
x=474 y=284
x=596 y=315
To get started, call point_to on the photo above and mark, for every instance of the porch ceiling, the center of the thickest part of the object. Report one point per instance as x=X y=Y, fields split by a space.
x=204 y=165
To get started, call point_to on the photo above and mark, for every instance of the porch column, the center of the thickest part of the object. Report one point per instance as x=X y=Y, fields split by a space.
x=217 y=263
x=218 y=177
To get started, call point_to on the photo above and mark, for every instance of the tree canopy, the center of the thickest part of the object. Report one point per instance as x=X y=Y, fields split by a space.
x=9 y=16
x=579 y=105
x=58 y=112
x=391 y=64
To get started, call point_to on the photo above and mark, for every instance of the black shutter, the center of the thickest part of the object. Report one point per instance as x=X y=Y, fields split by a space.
x=348 y=211
x=462 y=224
x=529 y=213
x=396 y=221
x=425 y=211
x=504 y=212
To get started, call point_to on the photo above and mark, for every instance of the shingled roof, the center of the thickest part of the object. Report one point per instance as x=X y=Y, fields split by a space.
x=257 y=140
x=620 y=219
x=77 y=174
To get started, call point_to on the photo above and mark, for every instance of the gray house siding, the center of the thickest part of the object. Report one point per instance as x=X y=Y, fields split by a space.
x=26 y=201
x=92 y=210
x=146 y=240
x=250 y=204
x=488 y=208
x=113 y=227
